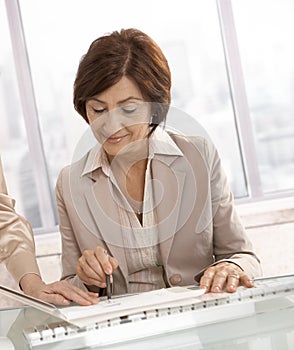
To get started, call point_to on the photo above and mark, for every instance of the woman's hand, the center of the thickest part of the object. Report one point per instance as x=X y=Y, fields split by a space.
x=93 y=265
x=60 y=292
x=224 y=276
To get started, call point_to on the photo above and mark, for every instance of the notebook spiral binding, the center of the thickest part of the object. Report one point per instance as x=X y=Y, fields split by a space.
x=211 y=308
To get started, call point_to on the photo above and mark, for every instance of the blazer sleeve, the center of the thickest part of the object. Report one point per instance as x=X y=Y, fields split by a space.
x=70 y=248
x=230 y=241
x=17 y=248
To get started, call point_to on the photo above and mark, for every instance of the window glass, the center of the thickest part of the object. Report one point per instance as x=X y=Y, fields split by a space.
x=265 y=34
x=58 y=33
x=14 y=150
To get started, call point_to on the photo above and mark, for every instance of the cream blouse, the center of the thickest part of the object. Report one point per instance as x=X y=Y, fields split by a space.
x=145 y=271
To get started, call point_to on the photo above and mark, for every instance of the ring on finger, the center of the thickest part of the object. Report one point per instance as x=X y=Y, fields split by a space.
x=234 y=275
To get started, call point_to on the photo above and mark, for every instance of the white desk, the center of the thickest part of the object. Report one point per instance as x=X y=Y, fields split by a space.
x=270 y=327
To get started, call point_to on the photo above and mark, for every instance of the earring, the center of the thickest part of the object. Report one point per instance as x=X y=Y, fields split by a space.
x=154 y=119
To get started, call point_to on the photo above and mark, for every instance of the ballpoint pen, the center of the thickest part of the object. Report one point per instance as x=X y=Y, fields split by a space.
x=108 y=283
x=108 y=287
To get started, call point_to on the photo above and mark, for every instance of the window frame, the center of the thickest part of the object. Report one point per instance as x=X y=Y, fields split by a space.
x=30 y=113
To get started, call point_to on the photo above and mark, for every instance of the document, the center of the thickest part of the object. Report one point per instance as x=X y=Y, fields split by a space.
x=82 y=316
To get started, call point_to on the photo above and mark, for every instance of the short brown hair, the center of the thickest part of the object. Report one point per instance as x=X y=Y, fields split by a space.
x=130 y=53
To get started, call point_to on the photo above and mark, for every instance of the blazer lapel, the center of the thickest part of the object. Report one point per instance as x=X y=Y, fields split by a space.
x=103 y=208
x=168 y=188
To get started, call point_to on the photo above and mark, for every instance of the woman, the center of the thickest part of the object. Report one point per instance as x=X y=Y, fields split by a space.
x=17 y=251
x=150 y=208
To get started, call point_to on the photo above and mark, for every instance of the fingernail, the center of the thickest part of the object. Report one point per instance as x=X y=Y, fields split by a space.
x=66 y=302
x=108 y=271
x=216 y=289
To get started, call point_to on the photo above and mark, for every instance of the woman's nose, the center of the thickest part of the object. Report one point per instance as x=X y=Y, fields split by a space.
x=112 y=123
x=107 y=124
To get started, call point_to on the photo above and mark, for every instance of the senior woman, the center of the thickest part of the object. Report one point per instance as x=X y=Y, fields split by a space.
x=149 y=207
x=17 y=252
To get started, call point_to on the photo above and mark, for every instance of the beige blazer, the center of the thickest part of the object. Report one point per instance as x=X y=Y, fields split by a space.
x=17 y=248
x=197 y=223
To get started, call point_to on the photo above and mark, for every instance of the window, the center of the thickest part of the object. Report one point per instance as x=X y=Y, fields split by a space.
x=200 y=86
x=267 y=53
x=202 y=45
x=14 y=150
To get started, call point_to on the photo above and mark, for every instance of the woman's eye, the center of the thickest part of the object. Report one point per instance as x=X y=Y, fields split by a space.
x=129 y=109
x=99 y=110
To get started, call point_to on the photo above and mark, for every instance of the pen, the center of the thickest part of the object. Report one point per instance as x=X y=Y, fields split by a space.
x=108 y=283
x=108 y=287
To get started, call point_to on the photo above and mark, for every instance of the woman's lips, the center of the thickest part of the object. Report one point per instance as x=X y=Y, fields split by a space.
x=115 y=139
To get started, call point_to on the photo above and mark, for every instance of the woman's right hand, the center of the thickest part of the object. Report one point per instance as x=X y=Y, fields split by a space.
x=93 y=265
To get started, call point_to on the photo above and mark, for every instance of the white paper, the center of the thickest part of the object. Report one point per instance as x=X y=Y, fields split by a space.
x=170 y=297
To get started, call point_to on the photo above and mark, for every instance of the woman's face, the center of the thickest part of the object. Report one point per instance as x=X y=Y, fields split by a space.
x=119 y=116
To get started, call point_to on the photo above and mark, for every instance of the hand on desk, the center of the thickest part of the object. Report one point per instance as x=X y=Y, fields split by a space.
x=94 y=265
x=224 y=276
x=60 y=292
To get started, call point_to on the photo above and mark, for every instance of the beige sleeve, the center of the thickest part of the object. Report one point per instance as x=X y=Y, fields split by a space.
x=231 y=242
x=17 y=248
x=70 y=248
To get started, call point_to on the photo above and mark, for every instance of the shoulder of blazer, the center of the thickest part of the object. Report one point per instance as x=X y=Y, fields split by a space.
x=185 y=143
x=73 y=170
x=76 y=167
x=203 y=145
x=3 y=188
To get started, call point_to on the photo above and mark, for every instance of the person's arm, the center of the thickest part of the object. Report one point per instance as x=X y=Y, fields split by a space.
x=236 y=262
x=70 y=248
x=16 y=237
x=84 y=269
x=18 y=254
x=231 y=242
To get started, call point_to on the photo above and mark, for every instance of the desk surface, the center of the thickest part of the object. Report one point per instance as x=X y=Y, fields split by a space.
x=270 y=327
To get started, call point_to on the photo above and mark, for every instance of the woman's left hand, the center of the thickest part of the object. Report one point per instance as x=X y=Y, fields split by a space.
x=224 y=276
